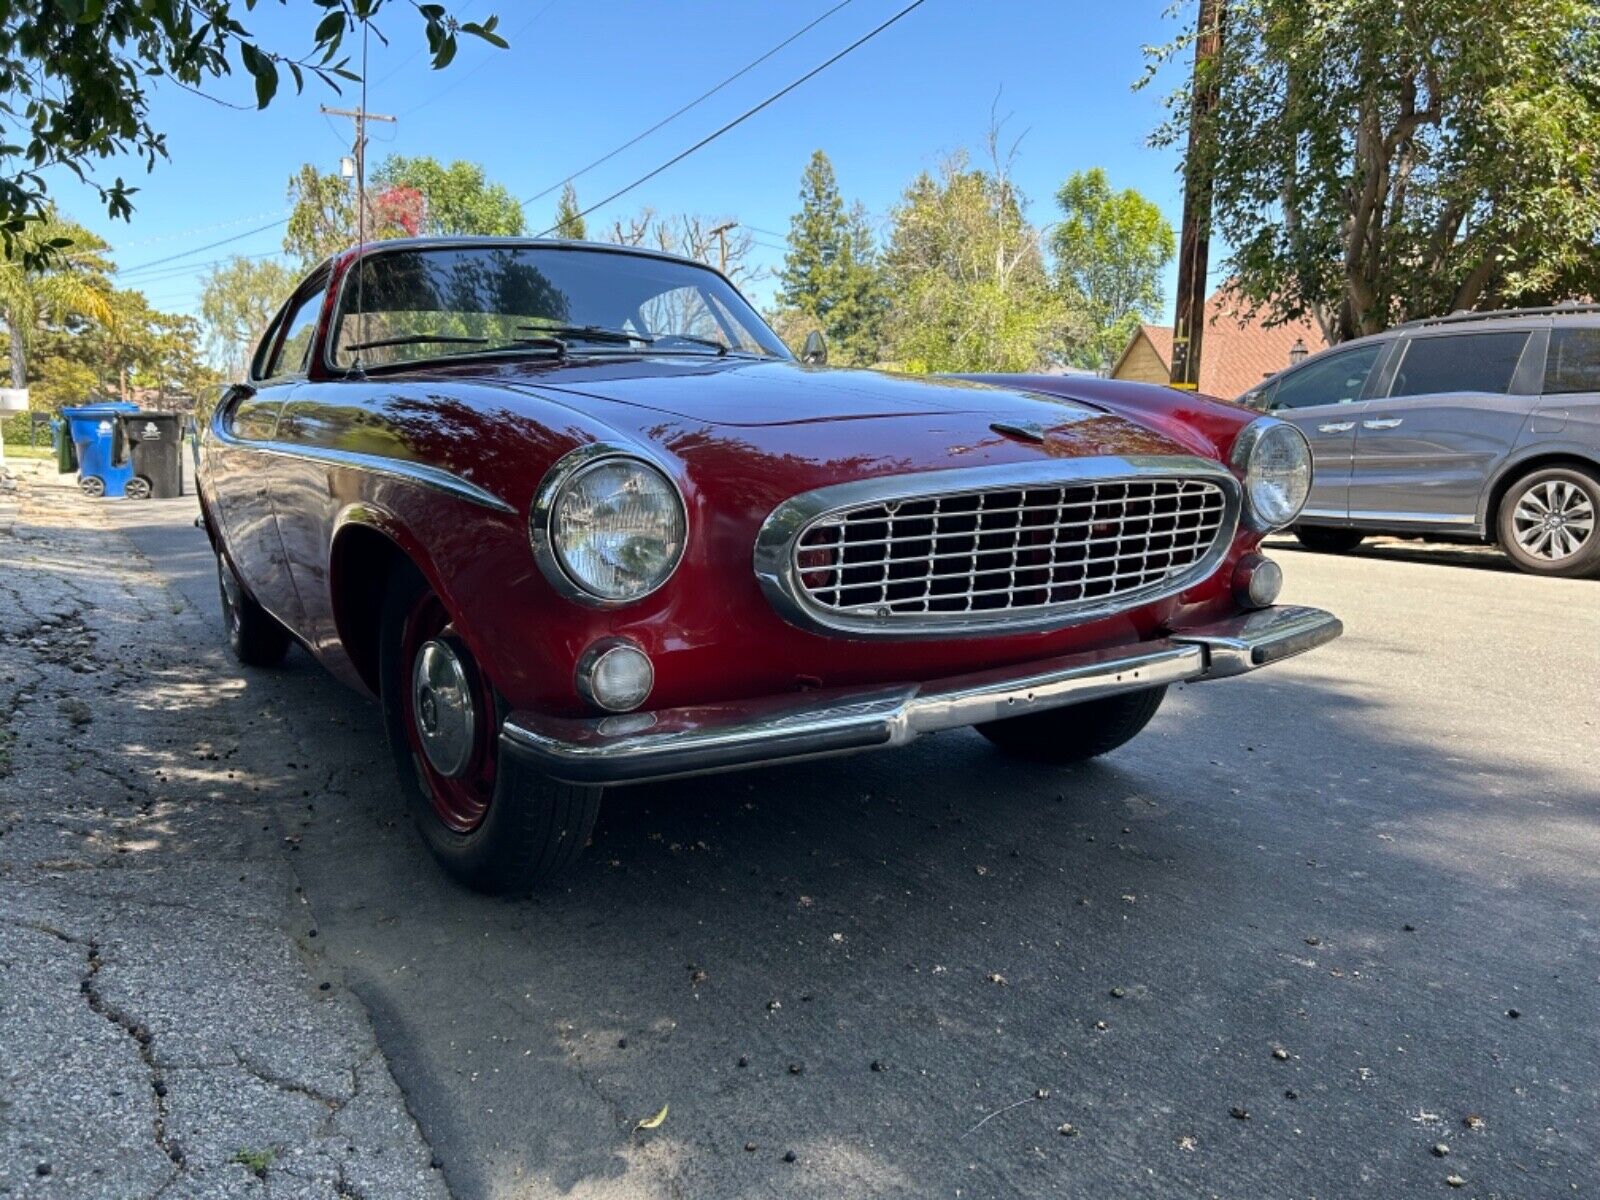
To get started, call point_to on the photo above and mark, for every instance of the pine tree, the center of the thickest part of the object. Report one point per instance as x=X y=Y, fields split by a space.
x=830 y=277
x=569 y=217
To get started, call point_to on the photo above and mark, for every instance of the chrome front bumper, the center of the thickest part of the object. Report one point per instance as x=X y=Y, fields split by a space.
x=642 y=746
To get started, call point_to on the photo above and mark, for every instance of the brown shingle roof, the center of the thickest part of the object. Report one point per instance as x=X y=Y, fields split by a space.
x=1234 y=358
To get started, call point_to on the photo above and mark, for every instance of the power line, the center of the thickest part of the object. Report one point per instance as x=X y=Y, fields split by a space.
x=238 y=237
x=667 y=120
x=749 y=112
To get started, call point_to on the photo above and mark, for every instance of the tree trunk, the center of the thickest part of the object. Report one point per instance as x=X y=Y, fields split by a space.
x=19 y=361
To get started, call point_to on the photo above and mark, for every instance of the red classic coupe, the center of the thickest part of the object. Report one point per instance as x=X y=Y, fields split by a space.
x=578 y=519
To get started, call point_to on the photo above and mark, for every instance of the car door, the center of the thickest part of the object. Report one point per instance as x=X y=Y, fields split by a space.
x=1456 y=404
x=240 y=462
x=1323 y=398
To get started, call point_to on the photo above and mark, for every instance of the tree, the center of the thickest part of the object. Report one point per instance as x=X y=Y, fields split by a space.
x=1376 y=162
x=405 y=197
x=968 y=278
x=831 y=279
x=692 y=237
x=33 y=289
x=323 y=220
x=457 y=199
x=569 y=217
x=1110 y=250
x=73 y=78
x=237 y=301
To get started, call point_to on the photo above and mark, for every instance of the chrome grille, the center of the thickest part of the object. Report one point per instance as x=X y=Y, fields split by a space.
x=1009 y=551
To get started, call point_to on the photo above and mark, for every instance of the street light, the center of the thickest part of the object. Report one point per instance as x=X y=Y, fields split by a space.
x=1298 y=351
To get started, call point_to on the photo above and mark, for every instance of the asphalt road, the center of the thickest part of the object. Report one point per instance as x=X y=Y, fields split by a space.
x=1284 y=944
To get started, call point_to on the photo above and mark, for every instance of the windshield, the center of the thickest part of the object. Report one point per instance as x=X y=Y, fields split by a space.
x=451 y=301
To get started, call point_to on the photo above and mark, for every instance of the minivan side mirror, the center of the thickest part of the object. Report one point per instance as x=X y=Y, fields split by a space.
x=815 y=350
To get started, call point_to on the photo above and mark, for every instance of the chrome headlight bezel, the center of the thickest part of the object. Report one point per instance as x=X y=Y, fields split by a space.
x=552 y=558
x=1244 y=459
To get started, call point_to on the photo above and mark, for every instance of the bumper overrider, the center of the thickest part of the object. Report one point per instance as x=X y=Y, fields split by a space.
x=642 y=746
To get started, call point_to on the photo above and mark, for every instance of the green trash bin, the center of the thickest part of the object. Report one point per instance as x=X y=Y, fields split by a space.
x=66 y=452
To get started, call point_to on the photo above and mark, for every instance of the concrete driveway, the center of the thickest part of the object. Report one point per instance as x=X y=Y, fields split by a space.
x=1330 y=930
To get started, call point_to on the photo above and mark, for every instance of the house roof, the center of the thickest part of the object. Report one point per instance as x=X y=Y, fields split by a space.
x=1238 y=351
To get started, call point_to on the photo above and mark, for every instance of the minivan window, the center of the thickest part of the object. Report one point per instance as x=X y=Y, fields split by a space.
x=1573 y=364
x=1334 y=379
x=1477 y=362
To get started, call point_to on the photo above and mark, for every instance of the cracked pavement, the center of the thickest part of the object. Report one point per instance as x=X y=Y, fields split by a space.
x=167 y=1027
x=1270 y=948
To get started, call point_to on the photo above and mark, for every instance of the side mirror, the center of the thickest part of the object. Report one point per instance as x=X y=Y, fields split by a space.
x=815 y=351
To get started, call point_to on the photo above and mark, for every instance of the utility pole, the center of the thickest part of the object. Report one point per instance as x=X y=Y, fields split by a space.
x=360 y=116
x=1194 y=244
x=721 y=234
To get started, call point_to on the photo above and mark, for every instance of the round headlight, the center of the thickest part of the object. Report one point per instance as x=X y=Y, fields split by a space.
x=615 y=527
x=1275 y=460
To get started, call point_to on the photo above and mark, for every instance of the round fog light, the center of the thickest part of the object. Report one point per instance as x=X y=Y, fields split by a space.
x=615 y=675
x=1257 y=581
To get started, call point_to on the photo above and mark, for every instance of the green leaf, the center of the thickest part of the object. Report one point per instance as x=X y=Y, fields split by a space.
x=446 y=52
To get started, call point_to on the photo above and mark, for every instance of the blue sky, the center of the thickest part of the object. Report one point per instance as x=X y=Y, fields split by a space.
x=582 y=77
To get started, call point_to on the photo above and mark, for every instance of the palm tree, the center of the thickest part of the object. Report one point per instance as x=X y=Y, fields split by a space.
x=66 y=286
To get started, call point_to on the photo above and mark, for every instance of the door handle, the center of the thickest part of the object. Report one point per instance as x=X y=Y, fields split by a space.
x=1336 y=427
x=1382 y=423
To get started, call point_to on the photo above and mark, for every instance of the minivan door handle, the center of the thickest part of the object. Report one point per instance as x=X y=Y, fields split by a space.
x=1336 y=427
x=1382 y=423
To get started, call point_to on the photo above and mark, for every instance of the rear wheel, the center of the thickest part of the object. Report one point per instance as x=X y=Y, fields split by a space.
x=1328 y=540
x=1547 y=523
x=255 y=635
x=493 y=824
x=1079 y=731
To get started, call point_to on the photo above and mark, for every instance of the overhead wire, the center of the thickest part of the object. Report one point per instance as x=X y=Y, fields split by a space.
x=750 y=112
x=673 y=116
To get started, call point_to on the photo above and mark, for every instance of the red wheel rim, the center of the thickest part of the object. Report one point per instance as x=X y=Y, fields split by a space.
x=460 y=801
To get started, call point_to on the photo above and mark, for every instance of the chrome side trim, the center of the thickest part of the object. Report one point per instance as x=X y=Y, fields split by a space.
x=774 y=550
x=1409 y=517
x=398 y=468
x=544 y=551
x=642 y=746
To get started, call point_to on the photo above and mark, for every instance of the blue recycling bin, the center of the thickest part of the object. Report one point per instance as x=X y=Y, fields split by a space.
x=104 y=463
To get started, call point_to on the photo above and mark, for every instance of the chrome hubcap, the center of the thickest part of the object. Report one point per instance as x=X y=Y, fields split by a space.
x=441 y=701
x=1553 y=519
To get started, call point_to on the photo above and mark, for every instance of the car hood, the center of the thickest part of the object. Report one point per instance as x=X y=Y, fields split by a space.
x=818 y=411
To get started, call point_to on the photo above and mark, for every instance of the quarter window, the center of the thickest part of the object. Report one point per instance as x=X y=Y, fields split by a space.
x=1573 y=364
x=1335 y=379
x=293 y=354
x=1477 y=362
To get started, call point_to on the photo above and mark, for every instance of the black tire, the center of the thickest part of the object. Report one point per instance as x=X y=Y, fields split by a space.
x=1079 y=731
x=532 y=827
x=1580 y=490
x=92 y=486
x=137 y=488
x=1327 y=540
x=255 y=635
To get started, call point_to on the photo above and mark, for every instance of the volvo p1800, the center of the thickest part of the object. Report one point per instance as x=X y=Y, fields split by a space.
x=578 y=519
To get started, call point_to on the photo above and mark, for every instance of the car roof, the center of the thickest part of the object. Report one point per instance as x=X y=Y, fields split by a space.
x=481 y=241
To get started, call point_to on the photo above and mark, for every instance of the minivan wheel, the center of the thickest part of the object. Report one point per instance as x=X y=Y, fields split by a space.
x=1327 y=540
x=493 y=824
x=1078 y=731
x=1547 y=523
x=254 y=634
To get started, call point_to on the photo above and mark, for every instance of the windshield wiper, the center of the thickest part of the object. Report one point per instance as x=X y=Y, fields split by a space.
x=592 y=333
x=418 y=339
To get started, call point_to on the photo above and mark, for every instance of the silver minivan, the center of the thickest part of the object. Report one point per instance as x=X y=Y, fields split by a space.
x=1480 y=426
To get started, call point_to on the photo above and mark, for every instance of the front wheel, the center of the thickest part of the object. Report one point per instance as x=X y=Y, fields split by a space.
x=256 y=637
x=492 y=823
x=1547 y=523
x=1328 y=540
x=1079 y=731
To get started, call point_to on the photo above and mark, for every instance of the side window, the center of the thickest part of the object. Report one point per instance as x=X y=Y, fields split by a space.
x=1474 y=362
x=299 y=328
x=253 y=419
x=1573 y=364
x=1336 y=379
